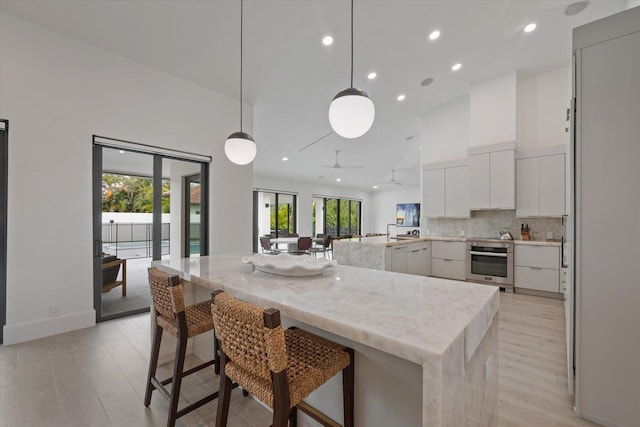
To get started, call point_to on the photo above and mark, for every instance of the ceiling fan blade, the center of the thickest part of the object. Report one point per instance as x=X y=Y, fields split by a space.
x=317 y=140
x=351 y=167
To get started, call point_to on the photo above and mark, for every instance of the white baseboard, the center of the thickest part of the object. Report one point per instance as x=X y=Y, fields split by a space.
x=14 y=334
x=597 y=420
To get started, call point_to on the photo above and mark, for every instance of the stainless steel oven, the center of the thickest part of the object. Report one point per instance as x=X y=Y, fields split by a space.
x=490 y=262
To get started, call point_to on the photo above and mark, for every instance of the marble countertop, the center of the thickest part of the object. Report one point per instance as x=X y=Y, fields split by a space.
x=382 y=240
x=413 y=317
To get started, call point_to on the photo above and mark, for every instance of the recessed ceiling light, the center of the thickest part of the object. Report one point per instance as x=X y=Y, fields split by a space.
x=121 y=151
x=575 y=8
x=327 y=40
x=372 y=75
x=338 y=180
x=456 y=67
x=434 y=35
x=375 y=186
x=427 y=81
x=401 y=97
x=530 y=28
x=284 y=159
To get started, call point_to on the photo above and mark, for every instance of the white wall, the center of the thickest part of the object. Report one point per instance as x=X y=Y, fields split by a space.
x=383 y=208
x=493 y=111
x=305 y=192
x=57 y=92
x=542 y=109
x=444 y=132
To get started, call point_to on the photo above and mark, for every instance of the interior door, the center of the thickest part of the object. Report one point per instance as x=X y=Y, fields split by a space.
x=4 y=162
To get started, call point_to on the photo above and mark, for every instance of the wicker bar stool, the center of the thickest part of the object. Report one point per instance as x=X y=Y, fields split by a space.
x=280 y=367
x=183 y=323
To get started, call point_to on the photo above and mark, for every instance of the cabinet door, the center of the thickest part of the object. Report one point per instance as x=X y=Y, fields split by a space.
x=449 y=250
x=418 y=261
x=503 y=180
x=539 y=279
x=433 y=193
x=528 y=184
x=456 y=194
x=552 y=185
x=479 y=185
x=399 y=259
x=448 y=269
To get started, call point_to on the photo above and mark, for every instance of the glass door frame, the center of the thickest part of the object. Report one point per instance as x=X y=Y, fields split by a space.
x=158 y=153
x=339 y=214
x=4 y=189
x=204 y=200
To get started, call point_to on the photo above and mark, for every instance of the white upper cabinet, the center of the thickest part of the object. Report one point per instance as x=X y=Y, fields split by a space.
x=445 y=190
x=552 y=185
x=528 y=192
x=456 y=195
x=433 y=193
x=541 y=183
x=492 y=176
x=480 y=171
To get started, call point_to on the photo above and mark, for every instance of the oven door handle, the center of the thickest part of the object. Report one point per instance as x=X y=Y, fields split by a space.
x=488 y=254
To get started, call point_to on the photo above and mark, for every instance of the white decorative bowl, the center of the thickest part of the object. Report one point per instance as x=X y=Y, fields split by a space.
x=289 y=265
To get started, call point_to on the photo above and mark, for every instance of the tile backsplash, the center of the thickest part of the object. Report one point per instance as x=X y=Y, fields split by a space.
x=489 y=224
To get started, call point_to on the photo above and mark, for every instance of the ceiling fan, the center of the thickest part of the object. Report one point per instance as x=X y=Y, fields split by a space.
x=337 y=165
x=393 y=179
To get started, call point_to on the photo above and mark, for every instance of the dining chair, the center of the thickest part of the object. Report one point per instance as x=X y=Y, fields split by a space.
x=279 y=367
x=324 y=248
x=304 y=246
x=182 y=322
x=265 y=242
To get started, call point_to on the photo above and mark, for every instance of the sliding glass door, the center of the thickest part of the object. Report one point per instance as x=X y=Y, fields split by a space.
x=147 y=207
x=340 y=217
x=274 y=215
x=4 y=163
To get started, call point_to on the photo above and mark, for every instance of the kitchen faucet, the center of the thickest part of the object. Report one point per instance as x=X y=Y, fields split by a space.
x=388 y=232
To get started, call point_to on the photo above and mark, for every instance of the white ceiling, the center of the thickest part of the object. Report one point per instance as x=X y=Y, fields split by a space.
x=290 y=77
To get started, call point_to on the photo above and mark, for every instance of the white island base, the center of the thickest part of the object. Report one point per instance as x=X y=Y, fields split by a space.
x=426 y=348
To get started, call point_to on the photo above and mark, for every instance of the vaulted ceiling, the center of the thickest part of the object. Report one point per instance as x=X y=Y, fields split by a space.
x=290 y=77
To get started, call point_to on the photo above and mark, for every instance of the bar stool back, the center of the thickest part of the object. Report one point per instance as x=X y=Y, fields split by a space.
x=182 y=322
x=280 y=367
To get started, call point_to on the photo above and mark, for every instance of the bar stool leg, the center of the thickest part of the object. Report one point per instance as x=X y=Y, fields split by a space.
x=224 y=394
x=176 y=382
x=348 y=381
x=293 y=417
x=153 y=363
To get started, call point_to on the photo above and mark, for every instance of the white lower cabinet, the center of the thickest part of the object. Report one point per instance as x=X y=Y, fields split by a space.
x=397 y=258
x=412 y=258
x=419 y=259
x=537 y=268
x=448 y=260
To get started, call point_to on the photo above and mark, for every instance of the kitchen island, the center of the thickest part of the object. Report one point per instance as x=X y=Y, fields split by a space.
x=426 y=348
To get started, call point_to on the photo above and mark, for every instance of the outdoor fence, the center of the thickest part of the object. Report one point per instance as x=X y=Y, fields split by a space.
x=132 y=240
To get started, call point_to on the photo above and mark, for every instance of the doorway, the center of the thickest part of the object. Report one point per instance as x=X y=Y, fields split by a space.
x=274 y=215
x=4 y=163
x=143 y=199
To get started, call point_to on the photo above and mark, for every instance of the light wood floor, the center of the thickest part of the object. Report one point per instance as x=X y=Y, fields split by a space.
x=96 y=376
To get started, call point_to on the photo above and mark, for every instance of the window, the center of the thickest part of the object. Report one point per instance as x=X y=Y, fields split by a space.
x=341 y=216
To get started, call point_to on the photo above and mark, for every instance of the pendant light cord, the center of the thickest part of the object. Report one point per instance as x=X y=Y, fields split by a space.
x=241 y=16
x=351 y=43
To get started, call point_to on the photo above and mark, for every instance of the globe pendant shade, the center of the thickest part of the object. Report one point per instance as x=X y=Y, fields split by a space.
x=240 y=148
x=351 y=113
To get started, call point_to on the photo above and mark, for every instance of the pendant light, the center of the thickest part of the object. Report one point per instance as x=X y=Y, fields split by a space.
x=351 y=112
x=240 y=147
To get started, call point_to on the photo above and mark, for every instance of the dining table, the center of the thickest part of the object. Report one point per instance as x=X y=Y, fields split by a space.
x=426 y=349
x=291 y=242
